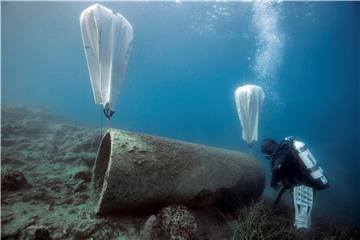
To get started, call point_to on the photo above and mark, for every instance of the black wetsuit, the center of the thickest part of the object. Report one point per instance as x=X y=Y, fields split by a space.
x=285 y=167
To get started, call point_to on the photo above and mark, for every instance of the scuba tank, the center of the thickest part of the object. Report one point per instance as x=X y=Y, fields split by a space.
x=309 y=164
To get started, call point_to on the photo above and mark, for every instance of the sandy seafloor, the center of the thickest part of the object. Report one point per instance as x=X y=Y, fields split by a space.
x=55 y=156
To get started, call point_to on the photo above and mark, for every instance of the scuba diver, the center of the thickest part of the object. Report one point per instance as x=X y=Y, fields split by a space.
x=293 y=167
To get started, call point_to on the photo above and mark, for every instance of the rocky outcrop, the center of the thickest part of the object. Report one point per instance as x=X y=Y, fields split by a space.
x=13 y=180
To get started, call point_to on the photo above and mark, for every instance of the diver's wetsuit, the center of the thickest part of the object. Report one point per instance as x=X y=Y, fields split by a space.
x=285 y=167
x=289 y=168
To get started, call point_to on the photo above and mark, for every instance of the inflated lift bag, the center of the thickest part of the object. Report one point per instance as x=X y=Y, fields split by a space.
x=135 y=172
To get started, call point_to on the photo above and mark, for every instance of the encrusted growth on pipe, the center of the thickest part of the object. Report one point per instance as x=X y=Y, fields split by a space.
x=102 y=160
x=135 y=173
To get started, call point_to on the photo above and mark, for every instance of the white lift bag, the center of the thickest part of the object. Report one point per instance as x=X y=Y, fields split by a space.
x=249 y=99
x=107 y=38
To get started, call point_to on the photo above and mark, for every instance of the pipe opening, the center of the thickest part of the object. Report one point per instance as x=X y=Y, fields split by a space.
x=172 y=172
x=102 y=161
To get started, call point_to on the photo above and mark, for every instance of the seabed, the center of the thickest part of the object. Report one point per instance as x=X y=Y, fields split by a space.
x=46 y=169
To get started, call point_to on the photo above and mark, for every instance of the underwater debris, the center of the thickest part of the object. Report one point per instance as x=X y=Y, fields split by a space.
x=171 y=171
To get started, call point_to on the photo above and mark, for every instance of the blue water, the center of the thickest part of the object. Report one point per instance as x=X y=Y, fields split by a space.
x=187 y=61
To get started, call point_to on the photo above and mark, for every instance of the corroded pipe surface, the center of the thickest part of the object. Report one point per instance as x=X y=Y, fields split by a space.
x=135 y=172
